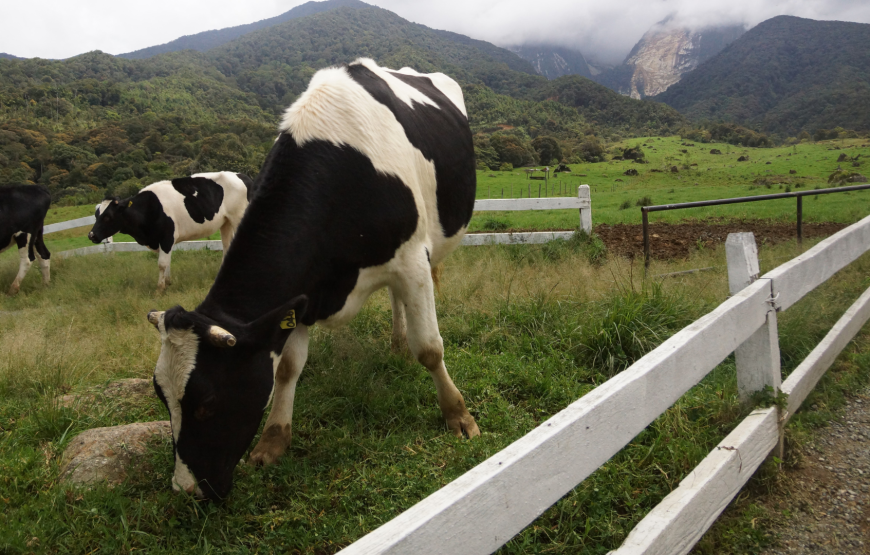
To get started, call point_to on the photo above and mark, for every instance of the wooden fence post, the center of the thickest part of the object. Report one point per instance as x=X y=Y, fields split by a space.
x=586 y=211
x=758 y=363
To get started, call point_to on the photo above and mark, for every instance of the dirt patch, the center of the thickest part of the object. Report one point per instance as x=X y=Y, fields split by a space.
x=669 y=241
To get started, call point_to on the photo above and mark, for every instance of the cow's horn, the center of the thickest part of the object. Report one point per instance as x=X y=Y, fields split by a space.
x=220 y=337
x=154 y=317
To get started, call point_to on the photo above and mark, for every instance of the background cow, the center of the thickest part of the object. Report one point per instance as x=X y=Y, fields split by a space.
x=371 y=183
x=168 y=212
x=22 y=216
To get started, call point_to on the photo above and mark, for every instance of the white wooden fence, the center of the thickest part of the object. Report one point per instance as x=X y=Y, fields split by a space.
x=583 y=203
x=482 y=509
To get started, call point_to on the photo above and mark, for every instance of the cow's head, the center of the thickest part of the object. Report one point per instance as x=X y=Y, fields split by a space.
x=109 y=217
x=216 y=380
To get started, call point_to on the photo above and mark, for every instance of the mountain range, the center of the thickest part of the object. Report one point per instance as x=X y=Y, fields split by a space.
x=97 y=123
x=785 y=75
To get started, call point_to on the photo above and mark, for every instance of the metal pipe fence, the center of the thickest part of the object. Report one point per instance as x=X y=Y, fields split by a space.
x=645 y=210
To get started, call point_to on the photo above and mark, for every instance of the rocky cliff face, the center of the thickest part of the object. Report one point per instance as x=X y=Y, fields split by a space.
x=554 y=61
x=664 y=55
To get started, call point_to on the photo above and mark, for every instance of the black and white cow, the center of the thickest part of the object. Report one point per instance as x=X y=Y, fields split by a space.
x=22 y=216
x=370 y=184
x=168 y=212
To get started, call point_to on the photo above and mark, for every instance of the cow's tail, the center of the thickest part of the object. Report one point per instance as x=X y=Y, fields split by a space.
x=436 y=277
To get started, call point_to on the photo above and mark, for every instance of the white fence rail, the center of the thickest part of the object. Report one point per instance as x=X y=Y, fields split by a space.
x=481 y=510
x=582 y=203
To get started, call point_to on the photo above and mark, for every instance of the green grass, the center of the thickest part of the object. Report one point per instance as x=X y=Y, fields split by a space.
x=715 y=176
x=527 y=330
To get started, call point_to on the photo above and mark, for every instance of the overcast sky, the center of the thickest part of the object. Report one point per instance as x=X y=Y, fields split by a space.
x=605 y=30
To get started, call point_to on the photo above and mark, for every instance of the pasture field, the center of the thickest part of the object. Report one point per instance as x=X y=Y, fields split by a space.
x=714 y=176
x=527 y=330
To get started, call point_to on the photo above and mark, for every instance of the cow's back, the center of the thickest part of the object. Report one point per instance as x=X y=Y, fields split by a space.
x=410 y=125
x=22 y=208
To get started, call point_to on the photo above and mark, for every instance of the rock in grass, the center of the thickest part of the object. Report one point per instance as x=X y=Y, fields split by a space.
x=105 y=454
x=124 y=390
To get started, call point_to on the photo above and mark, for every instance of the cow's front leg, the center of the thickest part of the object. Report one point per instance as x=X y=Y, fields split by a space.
x=25 y=259
x=164 y=259
x=277 y=432
x=399 y=339
x=425 y=343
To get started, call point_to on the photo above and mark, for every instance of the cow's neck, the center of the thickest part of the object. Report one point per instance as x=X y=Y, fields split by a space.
x=274 y=255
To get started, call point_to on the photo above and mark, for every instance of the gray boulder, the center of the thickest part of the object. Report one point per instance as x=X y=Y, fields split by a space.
x=105 y=454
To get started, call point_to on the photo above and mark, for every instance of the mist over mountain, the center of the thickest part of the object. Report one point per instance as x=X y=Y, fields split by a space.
x=786 y=75
x=663 y=55
x=6 y=56
x=211 y=39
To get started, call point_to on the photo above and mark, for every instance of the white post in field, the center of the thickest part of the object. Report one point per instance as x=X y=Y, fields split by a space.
x=585 y=208
x=758 y=357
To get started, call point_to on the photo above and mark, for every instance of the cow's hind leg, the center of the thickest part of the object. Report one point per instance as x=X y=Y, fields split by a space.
x=164 y=259
x=277 y=431
x=25 y=259
x=228 y=230
x=399 y=339
x=424 y=341
x=44 y=257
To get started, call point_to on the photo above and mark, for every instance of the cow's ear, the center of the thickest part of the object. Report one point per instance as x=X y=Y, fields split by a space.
x=272 y=329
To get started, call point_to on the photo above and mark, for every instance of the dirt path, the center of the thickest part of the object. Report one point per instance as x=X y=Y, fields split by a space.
x=677 y=240
x=828 y=493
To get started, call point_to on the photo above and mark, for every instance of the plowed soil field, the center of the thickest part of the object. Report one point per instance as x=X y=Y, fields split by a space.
x=669 y=241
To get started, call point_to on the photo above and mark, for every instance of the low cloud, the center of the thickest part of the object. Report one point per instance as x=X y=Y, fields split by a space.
x=605 y=30
x=602 y=30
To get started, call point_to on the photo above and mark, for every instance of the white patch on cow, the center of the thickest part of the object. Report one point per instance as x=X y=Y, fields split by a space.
x=276 y=360
x=182 y=479
x=102 y=207
x=195 y=193
x=443 y=83
x=174 y=365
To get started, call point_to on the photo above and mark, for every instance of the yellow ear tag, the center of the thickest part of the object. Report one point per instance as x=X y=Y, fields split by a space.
x=289 y=321
x=129 y=204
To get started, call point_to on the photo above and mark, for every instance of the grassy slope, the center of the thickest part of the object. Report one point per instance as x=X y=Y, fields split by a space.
x=527 y=330
x=715 y=176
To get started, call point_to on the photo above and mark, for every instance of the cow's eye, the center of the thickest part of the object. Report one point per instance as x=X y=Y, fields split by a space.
x=106 y=218
x=205 y=410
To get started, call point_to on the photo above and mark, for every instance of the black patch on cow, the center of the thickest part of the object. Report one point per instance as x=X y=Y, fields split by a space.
x=202 y=197
x=22 y=210
x=443 y=136
x=321 y=214
x=249 y=184
x=141 y=217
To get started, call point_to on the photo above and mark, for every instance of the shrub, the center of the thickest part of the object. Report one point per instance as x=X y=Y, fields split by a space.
x=626 y=204
x=645 y=201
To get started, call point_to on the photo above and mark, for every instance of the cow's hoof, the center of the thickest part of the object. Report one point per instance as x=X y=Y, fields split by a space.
x=274 y=441
x=464 y=426
x=12 y=291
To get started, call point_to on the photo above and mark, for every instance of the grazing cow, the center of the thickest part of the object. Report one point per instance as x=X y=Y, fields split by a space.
x=168 y=212
x=22 y=215
x=370 y=184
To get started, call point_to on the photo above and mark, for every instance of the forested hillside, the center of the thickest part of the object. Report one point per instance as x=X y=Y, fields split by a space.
x=786 y=75
x=211 y=39
x=97 y=123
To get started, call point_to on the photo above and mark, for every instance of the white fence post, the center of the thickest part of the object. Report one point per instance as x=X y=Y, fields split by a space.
x=585 y=208
x=757 y=358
